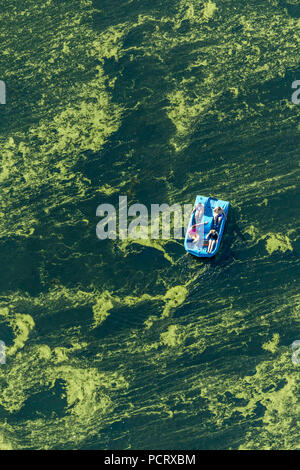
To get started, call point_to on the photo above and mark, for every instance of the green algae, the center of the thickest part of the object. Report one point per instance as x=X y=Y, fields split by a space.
x=148 y=242
x=209 y=10
x=172 y=337
x=4 y=444
x=174 y=297
x=82 y=121
x=278 y=242
x=272 y=344
x=21 y=325
x=236 y=56
x=277 y=418
x=102 y=307
x=89 y=393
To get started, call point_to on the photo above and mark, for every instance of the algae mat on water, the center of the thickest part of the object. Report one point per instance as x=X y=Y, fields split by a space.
x=120 y=344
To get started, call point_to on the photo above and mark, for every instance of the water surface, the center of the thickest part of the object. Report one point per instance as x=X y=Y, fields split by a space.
x=126 y=344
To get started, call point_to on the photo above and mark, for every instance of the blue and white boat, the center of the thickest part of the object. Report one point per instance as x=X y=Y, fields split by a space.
x=207 y=205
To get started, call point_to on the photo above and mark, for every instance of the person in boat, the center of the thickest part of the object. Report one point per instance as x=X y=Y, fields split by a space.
x=193 y=234
x=197 y=213
x=218 y=214
x=212 y=238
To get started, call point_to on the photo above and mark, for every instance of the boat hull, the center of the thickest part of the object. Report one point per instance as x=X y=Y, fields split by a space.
x=199 y=248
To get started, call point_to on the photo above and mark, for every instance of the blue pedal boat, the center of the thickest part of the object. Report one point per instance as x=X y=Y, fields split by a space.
x=199 y=248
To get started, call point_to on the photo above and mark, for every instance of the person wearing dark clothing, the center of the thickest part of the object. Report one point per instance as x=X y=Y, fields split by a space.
x=212 y=238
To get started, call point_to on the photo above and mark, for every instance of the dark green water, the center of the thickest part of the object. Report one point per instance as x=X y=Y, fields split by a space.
x=124 y=344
